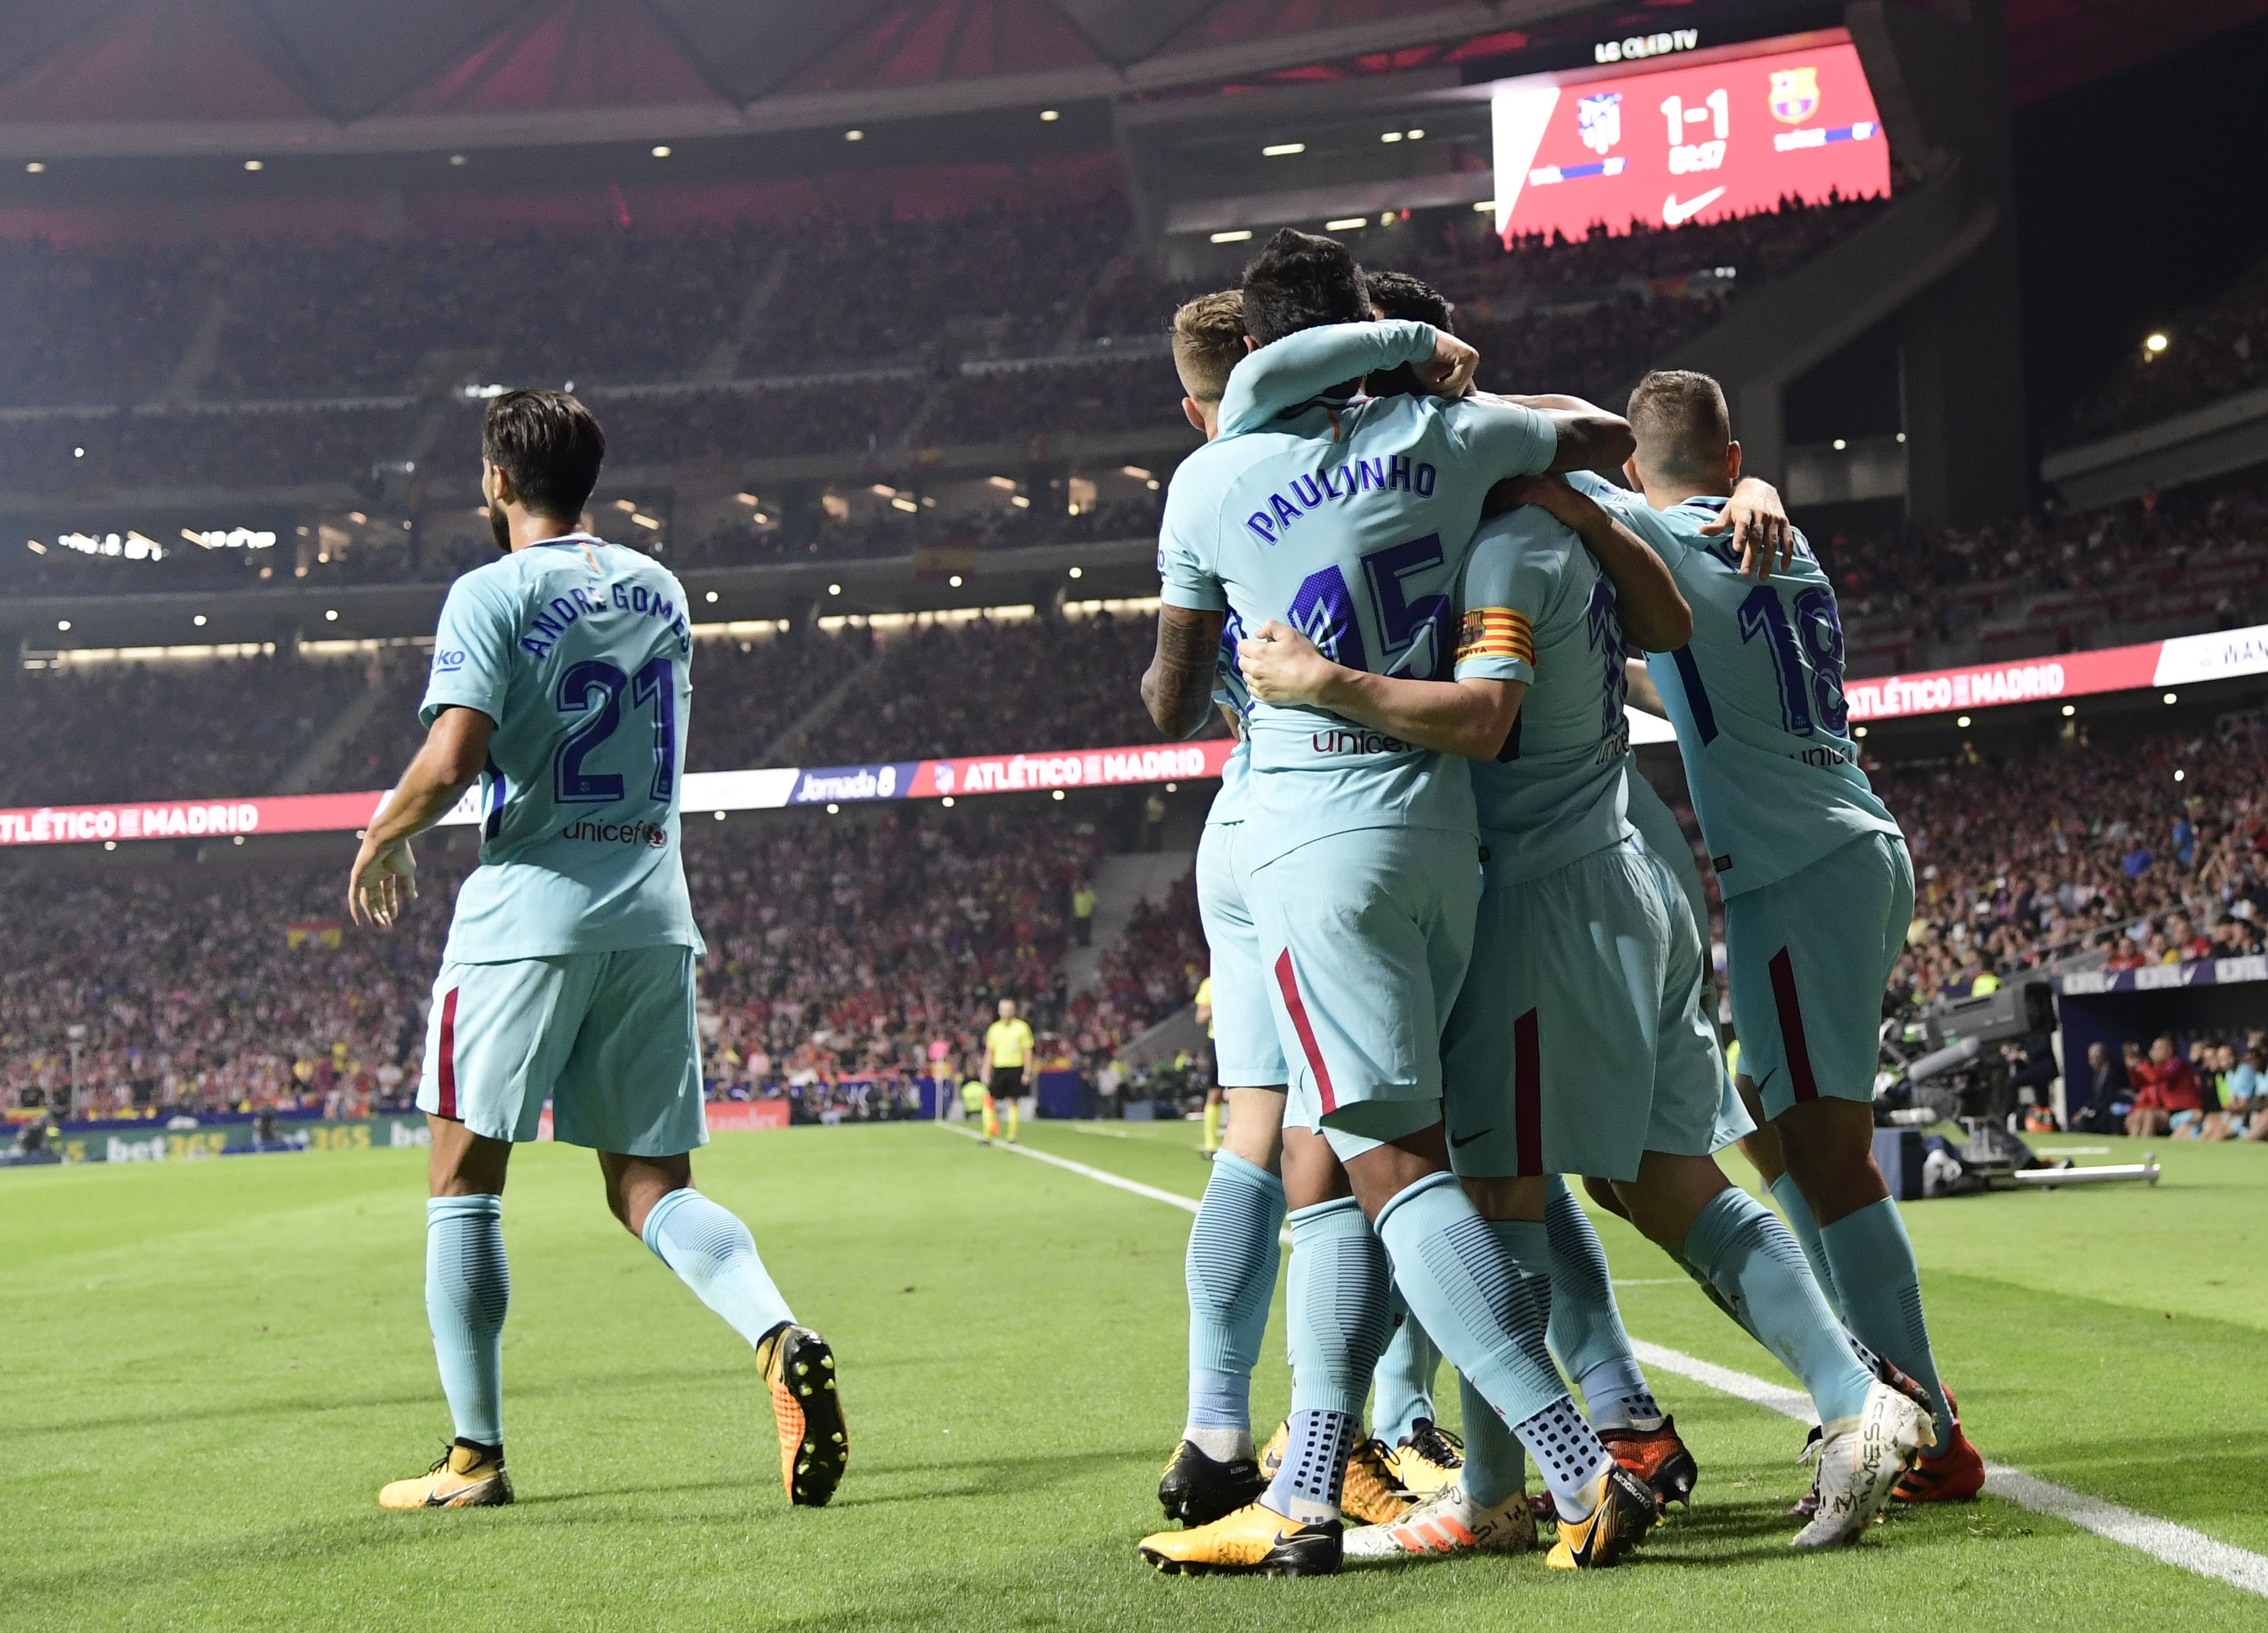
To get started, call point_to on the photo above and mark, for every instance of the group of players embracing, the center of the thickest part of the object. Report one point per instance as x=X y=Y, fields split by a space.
x=1459 y=947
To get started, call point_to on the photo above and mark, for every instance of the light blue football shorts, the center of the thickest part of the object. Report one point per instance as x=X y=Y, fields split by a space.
x=1578 y=1044
x=1364 y=936
x=610 y=1039
x=1657 y=827
x=1809 y=958
x=1245 y=1053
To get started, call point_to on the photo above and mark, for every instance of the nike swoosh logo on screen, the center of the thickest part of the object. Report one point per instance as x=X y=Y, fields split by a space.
x=1672 y=212
x=1457 y=1145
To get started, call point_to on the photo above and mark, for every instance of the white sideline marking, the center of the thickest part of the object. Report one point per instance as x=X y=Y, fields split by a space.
x=2161 y=1540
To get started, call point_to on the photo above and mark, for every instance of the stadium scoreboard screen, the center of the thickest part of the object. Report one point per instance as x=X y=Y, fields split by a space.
x=1700 y=138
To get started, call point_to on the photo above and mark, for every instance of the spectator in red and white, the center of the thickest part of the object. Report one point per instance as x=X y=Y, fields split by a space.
x=2167 y=1095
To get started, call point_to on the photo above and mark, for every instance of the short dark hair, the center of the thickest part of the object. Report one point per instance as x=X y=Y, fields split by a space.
x=549 y=444
x=1682 y=424
x=1298 y=280
x=1398 y=295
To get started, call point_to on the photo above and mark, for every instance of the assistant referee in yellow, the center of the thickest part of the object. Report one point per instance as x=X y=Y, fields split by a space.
x=1007 y=1050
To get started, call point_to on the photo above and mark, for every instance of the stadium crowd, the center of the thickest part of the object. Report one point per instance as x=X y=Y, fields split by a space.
x=847 y=957
x=195 y=729
x=2118 y=857
x=2214 y=351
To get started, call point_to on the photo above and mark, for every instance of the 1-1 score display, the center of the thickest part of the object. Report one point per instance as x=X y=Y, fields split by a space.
x=1698 y=142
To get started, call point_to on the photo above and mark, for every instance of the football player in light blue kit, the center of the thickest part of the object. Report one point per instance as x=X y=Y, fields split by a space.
x=1348 y=520
x=1577 y=1044
x=1234 y=1251
x=1234 y=1247
x=1817 y=883
x=560 y=685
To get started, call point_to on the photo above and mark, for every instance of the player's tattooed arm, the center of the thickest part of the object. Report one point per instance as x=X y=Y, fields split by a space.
x=1467 y=717
x=1177 y=687
x=1231 y=719
x=384 y=880
x=1648 y=604
x=1760 y=528
x=1640 y=691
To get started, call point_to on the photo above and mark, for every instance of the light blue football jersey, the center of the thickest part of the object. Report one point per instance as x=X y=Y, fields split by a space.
x=1348 y=521
x=1228 y=692
x=1536 y=608
x=1756 y=698
x=581 y=653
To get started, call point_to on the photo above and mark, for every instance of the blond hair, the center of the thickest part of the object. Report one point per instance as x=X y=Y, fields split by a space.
x=1208 y=341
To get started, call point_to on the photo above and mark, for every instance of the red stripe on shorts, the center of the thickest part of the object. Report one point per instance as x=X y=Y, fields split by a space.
x=1287 y=982
x=1528 y=1095
x=446 y=1072
x=1791 y=1027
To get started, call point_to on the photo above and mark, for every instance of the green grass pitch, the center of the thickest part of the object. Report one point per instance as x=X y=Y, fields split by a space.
x=213 y=1366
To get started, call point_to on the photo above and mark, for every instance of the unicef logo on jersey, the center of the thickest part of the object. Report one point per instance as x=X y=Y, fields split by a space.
x=448 y=660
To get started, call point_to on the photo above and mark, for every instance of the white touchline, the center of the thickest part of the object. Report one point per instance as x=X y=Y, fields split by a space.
x=2161 y=1539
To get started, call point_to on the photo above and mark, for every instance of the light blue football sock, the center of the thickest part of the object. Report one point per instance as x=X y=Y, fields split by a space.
x=1234 y=1252
x=1315 y=1448
x=1881 y=1284
x=1756 y=1262
x=1405 y=1379
x=1463 y=1277
x=1335 y=1313
x=1800 y=1220
x=1496 y=1464
x=1586 y=1333
x=467 y=1289
x=713 y=1254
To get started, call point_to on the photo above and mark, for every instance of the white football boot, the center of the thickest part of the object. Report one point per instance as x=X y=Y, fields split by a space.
x=1446 y=1521
x=1860 y=1459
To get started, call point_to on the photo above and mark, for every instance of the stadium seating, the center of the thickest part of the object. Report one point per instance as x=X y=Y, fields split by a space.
x=2215 y=350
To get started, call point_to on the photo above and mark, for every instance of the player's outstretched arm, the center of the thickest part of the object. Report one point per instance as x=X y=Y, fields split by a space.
x=1590 y=439
x=1288 y=372
x=1641 y=693
x=1177 y=687
x=1651 y=608
x=384 y=876
x=1467 y=717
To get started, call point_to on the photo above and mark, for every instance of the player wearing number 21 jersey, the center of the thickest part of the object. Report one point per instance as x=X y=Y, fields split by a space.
x=561 y=692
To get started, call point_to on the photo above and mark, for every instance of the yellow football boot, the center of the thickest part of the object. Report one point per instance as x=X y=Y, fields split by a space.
x=1372 y=1496
x=815 y=1444
x=1255 y=1541
x=463 y=1478
x=1430 y=1458
x=1625 y=1510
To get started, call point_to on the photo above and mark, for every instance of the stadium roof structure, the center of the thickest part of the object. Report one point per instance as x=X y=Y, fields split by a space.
x=132 y=78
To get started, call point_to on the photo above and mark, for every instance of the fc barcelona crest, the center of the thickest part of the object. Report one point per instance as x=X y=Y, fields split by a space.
x=1794 y=94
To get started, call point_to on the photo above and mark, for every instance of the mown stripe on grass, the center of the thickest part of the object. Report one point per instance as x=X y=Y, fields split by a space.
x=2161 y=1540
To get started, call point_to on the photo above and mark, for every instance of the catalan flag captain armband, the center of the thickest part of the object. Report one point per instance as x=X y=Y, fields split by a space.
x=1497 y=632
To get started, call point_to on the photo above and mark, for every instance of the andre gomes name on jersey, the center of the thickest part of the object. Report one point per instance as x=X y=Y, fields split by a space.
x=1386 y=474
x=577 y=604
